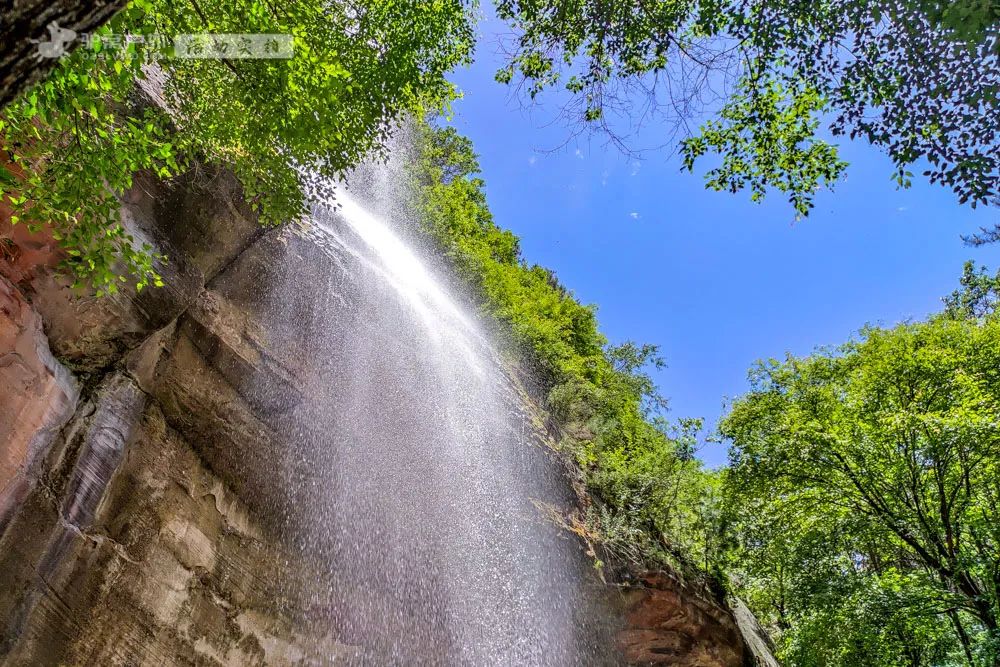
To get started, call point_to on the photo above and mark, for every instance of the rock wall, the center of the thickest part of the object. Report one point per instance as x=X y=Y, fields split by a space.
x=141 y=521
x=669 y=624
x=39 y=395
x=119 y=545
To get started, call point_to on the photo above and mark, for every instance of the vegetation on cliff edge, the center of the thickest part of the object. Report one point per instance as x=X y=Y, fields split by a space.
x=283 y=125
x=859 y=515
x=655 y=504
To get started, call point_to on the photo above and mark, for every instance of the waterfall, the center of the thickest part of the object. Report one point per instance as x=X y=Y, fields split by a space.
x=416 y=479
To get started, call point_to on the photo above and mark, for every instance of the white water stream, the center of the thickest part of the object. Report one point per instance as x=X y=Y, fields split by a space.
x=421 y=474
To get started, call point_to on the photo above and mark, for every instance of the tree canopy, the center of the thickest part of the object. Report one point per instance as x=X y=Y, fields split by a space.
x=866 y=481
x=772 y=83
x=283 y=125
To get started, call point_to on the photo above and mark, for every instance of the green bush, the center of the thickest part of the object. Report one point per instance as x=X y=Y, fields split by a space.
x=652 y=499
x=282 y=125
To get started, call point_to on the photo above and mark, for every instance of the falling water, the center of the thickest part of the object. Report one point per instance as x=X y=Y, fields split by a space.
x=413 y=474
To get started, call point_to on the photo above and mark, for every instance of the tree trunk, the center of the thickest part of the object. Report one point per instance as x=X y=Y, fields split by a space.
x=963 y=637
x=34 y=32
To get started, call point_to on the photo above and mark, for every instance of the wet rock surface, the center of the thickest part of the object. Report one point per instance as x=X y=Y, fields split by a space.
x=145 y=515
x=668 y=625
x=37 y=398
x=119 y=544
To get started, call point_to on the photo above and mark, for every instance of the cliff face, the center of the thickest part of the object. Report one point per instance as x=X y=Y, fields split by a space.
x=667 y=624
x=143 y=519
x=119 y=544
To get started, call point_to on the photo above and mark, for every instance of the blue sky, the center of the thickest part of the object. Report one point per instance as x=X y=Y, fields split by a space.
x=714 y=279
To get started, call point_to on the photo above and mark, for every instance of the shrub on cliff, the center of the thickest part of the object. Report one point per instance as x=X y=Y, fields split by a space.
x=654 y=502
x=282 y=124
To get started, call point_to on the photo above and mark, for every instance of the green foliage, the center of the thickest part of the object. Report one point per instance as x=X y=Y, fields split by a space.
x=919 y=79
x=78 y=143
x=968 y=21
x=978 y=296
x=655 y=503
x=282 y=125
x=767 y=138
x=864 y=492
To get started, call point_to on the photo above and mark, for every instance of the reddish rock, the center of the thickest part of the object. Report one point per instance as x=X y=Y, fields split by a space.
x=39 y=394
x=22 y=252
x=668 y=624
